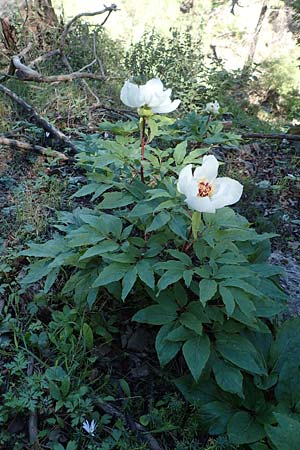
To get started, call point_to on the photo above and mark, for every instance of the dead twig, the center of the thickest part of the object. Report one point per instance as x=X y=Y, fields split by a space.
x=44 y=57
x=36 y=148
x=61 y=137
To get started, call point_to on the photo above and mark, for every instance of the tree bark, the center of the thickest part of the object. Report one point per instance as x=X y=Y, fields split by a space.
x=255 y=36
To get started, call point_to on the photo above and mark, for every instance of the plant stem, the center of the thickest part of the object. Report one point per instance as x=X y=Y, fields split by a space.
x=143 y=148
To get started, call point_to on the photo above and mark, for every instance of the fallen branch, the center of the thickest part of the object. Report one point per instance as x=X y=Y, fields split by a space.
x=134 y=426
x=36 y=148
x=32 y=75
x=288 y=137
x=39 y=119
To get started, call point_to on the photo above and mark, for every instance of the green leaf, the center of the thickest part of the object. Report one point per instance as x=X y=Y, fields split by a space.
x=178 y=225
x=54 y=390
x=183 y=257
x=125 y=387
x=109 y=224
x=91 y=188
x=37 y=271
x=228 y=300
x=180 y=334
x=196 y=352
x=159 y=221
x=99 y=249
x=156 y=314
x=65 y=385
x=242 y=285
x=192 y=322
x=88 y=337
x=244 y=301
x=240 y=352
x=180 y=152
x=145 y=273
x=216 y=415
x=169 y=277
x=128 y=281
x=207 y=289
x=229 y=378
x=51 y=278
x=49 y=249
x=112 y=272
x=286 y=436
x=188 y=276
x=116 y=200
x=243 y=429
x=166 y=350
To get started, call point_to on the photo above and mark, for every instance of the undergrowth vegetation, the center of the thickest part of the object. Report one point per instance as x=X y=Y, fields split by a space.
x=130 y=319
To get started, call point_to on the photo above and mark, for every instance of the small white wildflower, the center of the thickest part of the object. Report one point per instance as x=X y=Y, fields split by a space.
x=212 y=107
x=89 y=427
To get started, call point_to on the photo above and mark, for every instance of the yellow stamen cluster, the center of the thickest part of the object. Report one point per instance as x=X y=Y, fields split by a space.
x=205 y=189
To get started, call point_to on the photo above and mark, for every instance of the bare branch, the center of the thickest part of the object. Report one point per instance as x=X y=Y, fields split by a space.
x=108 y=9
x=44 y=57
x=39 y=119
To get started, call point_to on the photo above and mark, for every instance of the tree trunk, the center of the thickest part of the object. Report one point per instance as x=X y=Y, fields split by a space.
x=255 y=37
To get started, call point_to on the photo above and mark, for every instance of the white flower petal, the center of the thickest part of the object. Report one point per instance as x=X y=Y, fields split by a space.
x=130 y=95
x=228 y=192
x=166 y=107
x=185 y=179
x=201 y=204
x=209 y=169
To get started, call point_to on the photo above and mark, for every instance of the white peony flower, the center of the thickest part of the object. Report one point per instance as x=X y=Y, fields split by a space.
x=89 y=427
x=212 y=107
x=204 y=191
x=150 y=96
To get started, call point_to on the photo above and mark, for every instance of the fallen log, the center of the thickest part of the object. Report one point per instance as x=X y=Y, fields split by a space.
x=36 y=148
x=288 y=137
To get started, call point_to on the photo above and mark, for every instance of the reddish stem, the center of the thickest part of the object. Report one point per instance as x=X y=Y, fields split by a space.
x=188 y=244
x=143 y=143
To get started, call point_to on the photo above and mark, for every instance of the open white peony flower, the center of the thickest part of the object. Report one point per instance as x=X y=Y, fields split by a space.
x=204 y=191
x=212 y=107
x=149 y=97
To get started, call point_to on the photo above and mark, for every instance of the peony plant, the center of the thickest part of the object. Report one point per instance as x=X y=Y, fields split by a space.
x=191 y=266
